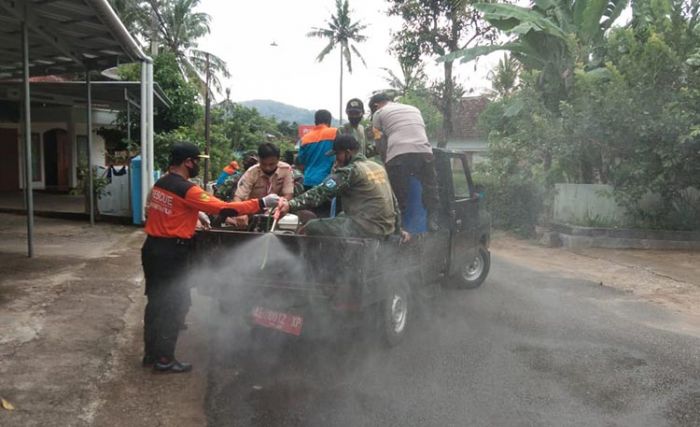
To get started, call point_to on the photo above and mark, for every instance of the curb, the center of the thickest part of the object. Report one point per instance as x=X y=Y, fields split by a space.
x=575 y=237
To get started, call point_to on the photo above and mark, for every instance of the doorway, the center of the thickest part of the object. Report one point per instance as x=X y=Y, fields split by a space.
x=9 y=160
x=56 y=160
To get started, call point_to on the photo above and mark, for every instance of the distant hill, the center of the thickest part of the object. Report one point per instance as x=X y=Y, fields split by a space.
x=281 y=111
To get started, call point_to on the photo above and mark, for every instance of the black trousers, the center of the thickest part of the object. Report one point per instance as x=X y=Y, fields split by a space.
x=164 y=265
x=422 y=166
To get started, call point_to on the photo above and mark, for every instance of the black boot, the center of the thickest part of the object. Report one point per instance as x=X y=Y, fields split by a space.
x=171 y=366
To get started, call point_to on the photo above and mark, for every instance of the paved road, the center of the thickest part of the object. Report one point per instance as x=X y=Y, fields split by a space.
x=525 y=349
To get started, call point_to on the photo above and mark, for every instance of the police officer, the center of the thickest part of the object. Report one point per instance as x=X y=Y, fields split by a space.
x=369 y=206
x=172 y=214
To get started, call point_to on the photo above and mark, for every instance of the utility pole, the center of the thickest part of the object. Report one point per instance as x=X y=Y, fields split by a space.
x=207 y=107
x=154 y=31
x=340 y=109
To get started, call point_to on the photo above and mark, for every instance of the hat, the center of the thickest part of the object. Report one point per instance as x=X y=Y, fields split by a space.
x=377 y=98
x=181 y=151
x=343 y=142
x=355 y=105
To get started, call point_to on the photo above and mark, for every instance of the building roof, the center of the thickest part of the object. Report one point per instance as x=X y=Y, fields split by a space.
x=64 y=36
x=105 y=94
x=467 y=117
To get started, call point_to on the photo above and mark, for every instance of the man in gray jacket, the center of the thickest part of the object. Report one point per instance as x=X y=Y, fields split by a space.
x=408 y=152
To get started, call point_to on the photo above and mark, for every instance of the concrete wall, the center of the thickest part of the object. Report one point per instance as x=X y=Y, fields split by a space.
x=71 y=120
x=594 y=205
x=576 y=203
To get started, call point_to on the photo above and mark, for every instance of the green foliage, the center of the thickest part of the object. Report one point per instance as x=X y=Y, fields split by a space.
x=438 y=28
x=550 y=37
x=236 y=129
x=178 y=27
x=633 y=123
x=513 y=202
x=413 y=75
x=431 y=115
x=184 y=111
x=504 y=77
x=340 y=31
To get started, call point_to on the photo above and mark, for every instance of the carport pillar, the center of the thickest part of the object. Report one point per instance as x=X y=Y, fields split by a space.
x=88 y=118
x=144 y=140
x=149 y=110
x=128 y=115
x=28 y=195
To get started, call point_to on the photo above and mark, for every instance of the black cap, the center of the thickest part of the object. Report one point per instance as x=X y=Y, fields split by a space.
x=376 y=99
x=355 y=105
x=343 y=142
x=181 y=151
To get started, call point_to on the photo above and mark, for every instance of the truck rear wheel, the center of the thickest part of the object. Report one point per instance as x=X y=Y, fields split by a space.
x=396 y=311
x=473 y=274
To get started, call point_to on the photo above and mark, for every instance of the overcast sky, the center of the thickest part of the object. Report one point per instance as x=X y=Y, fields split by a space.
x=241 y=34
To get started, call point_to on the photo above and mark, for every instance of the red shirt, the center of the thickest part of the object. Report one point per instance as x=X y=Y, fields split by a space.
x=175 y=203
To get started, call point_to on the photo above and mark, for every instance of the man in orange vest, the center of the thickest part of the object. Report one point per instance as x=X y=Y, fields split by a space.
x=172 y=214
x=227 y=172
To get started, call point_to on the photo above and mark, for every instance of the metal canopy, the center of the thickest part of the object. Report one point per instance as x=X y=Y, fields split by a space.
x=49 y=37
x=107 y=94
x=64 y=36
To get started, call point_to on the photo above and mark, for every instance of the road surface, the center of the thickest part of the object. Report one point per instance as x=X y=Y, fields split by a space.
x=527 y=348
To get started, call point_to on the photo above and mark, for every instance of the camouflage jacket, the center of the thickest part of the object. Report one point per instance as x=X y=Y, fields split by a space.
x=226 y=190
x=366 y=195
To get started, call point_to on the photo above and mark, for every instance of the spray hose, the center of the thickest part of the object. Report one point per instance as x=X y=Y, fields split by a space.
x=267 y=240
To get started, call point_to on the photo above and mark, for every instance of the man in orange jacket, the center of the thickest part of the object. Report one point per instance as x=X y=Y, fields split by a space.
x=172 y=217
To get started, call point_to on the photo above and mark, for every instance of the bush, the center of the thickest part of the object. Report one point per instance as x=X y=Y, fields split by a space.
x=514 y=204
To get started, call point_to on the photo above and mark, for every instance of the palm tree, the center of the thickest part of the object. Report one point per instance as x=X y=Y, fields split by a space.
x=179 y=27
x=413 y=76
x=341 y=31
x=504 y=77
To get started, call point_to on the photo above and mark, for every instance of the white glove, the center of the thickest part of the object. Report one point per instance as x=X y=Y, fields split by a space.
x=204 y=220
x=270 y=201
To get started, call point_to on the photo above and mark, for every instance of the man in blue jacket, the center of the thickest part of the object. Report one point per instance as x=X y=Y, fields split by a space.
x=314 y=145
x=312 y=155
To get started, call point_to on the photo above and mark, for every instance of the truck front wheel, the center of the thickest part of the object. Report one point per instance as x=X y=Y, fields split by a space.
x=395 y=312
x=473 y=274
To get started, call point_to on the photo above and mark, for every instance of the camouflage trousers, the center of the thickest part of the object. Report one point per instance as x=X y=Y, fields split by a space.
x=340 y=226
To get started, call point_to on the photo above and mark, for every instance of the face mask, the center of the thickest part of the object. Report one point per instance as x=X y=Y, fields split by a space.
x=354 y=121
x=348 y=158
x=193 y=171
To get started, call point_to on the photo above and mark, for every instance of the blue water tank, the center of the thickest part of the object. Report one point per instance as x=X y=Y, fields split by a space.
x=136 y=190
x=415 y=218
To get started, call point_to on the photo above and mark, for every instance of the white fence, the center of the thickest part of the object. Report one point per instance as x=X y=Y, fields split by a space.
x=594 y=205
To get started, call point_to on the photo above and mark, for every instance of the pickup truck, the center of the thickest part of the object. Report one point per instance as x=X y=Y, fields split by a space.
x=310 y=286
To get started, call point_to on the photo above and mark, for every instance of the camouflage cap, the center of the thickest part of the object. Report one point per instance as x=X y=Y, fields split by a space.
x=355 y=106
x=343 y=142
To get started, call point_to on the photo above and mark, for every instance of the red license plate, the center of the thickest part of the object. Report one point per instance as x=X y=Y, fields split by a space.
x=285 y=322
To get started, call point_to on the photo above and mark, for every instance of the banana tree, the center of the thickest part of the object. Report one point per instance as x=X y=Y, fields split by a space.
x=551 y=36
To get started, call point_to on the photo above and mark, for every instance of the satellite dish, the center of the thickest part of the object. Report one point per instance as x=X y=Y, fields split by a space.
x=111 y=73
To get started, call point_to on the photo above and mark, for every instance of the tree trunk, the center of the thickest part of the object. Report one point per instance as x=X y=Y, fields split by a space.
x=448 y=94
x=340 y=108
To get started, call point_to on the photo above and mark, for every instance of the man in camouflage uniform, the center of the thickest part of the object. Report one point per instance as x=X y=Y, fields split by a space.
x=355 y=110
x=369 y=206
